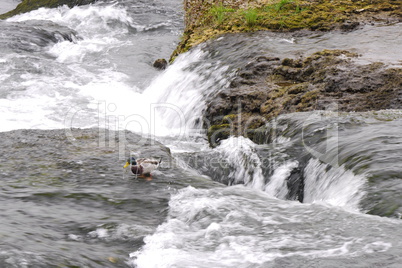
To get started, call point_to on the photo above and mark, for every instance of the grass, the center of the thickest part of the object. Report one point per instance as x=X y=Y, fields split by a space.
x=281 y=4
x=278 y=15
x=219 y=13
x=251 y=16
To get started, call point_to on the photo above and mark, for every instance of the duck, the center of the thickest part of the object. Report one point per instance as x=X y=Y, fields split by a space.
x=142 y=166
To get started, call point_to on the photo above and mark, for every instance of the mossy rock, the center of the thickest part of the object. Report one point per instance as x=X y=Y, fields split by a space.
x=308 y=100
x=386 y=209
x=29 y=5
x=208 y=19
x=218 y=132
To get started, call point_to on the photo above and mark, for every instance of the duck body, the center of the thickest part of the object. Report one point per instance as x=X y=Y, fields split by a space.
x=142 y=166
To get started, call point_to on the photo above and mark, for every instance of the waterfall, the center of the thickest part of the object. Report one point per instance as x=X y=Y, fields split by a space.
x=180 y=94
x=332 y=185
x=277 y=185
x=245 y=165
x=316 y=181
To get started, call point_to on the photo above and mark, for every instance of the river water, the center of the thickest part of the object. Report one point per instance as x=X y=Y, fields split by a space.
x=79 y=94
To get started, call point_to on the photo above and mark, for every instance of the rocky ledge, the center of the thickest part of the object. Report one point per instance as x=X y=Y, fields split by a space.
x=330 y=79
x=272 y=85
x=208 y=19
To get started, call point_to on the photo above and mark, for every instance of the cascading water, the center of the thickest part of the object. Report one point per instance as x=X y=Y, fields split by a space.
x=67 y=202
x=336 y=186
x=242 y=161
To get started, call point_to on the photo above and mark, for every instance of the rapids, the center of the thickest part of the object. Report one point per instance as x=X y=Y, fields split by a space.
x=79 y=94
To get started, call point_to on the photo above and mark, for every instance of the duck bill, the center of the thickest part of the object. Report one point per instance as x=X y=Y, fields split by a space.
x=126 y=165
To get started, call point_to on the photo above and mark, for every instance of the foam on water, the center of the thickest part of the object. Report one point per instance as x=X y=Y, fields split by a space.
x=219 y=227
x=88 y=20
x=82 y=88
x=99 y=28
x=102 y=96
x=71 y=98
x=21 y=259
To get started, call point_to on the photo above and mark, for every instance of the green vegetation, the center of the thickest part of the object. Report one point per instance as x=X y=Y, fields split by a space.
x=218 y=132
x=251 y=16
x=281 y=4
x=206 y=20
x=219 y=13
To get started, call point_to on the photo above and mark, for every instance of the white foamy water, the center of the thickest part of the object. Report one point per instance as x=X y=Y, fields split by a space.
x=220 y=227
x=277 y=182
x=333 y=185
x=243 y=162
x=90 y=20
x=86 y=87
x=82 y=84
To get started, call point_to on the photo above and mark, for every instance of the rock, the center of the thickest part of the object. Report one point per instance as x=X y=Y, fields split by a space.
x=295 y=184
x=349 y=25
x=206 y=19
x=160 y=64
x=266 y=88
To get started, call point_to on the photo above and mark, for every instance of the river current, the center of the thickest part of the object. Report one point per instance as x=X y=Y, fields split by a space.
x=79 y=94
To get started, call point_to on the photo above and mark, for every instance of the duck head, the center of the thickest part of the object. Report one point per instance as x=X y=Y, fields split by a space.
x=130 y=161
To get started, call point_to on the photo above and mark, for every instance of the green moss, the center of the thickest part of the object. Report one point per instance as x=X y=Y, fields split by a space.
x=251 y=16
x=219 y=13
x=218 y=132
x=308 y=100
x=230 y=118
x=298 y=88
x=29 y=5
x=282 y=5
x=335 y=52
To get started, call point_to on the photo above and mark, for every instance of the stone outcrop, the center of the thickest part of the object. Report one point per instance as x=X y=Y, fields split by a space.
x=329 y=79
x=207 y=19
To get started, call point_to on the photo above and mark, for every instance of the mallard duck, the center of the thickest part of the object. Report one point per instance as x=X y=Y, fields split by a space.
x=142 y=166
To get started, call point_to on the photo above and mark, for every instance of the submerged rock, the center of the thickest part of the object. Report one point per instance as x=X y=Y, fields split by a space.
x=160 y=64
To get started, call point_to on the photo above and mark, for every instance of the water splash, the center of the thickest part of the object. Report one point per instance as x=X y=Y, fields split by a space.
x=82 y=82
x=88 y=20
x=98 y=28
x=333 y=185
x=219 y=226
x=243 y=161
x=182 y=91
x=277 y=185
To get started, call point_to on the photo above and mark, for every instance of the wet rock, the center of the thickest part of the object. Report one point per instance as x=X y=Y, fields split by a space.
x=268 y=87
x=295 y=184
x=160 y=64
x=207 y=19
x=349 y=25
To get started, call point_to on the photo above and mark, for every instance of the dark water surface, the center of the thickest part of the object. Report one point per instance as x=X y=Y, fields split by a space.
x=69 y=202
